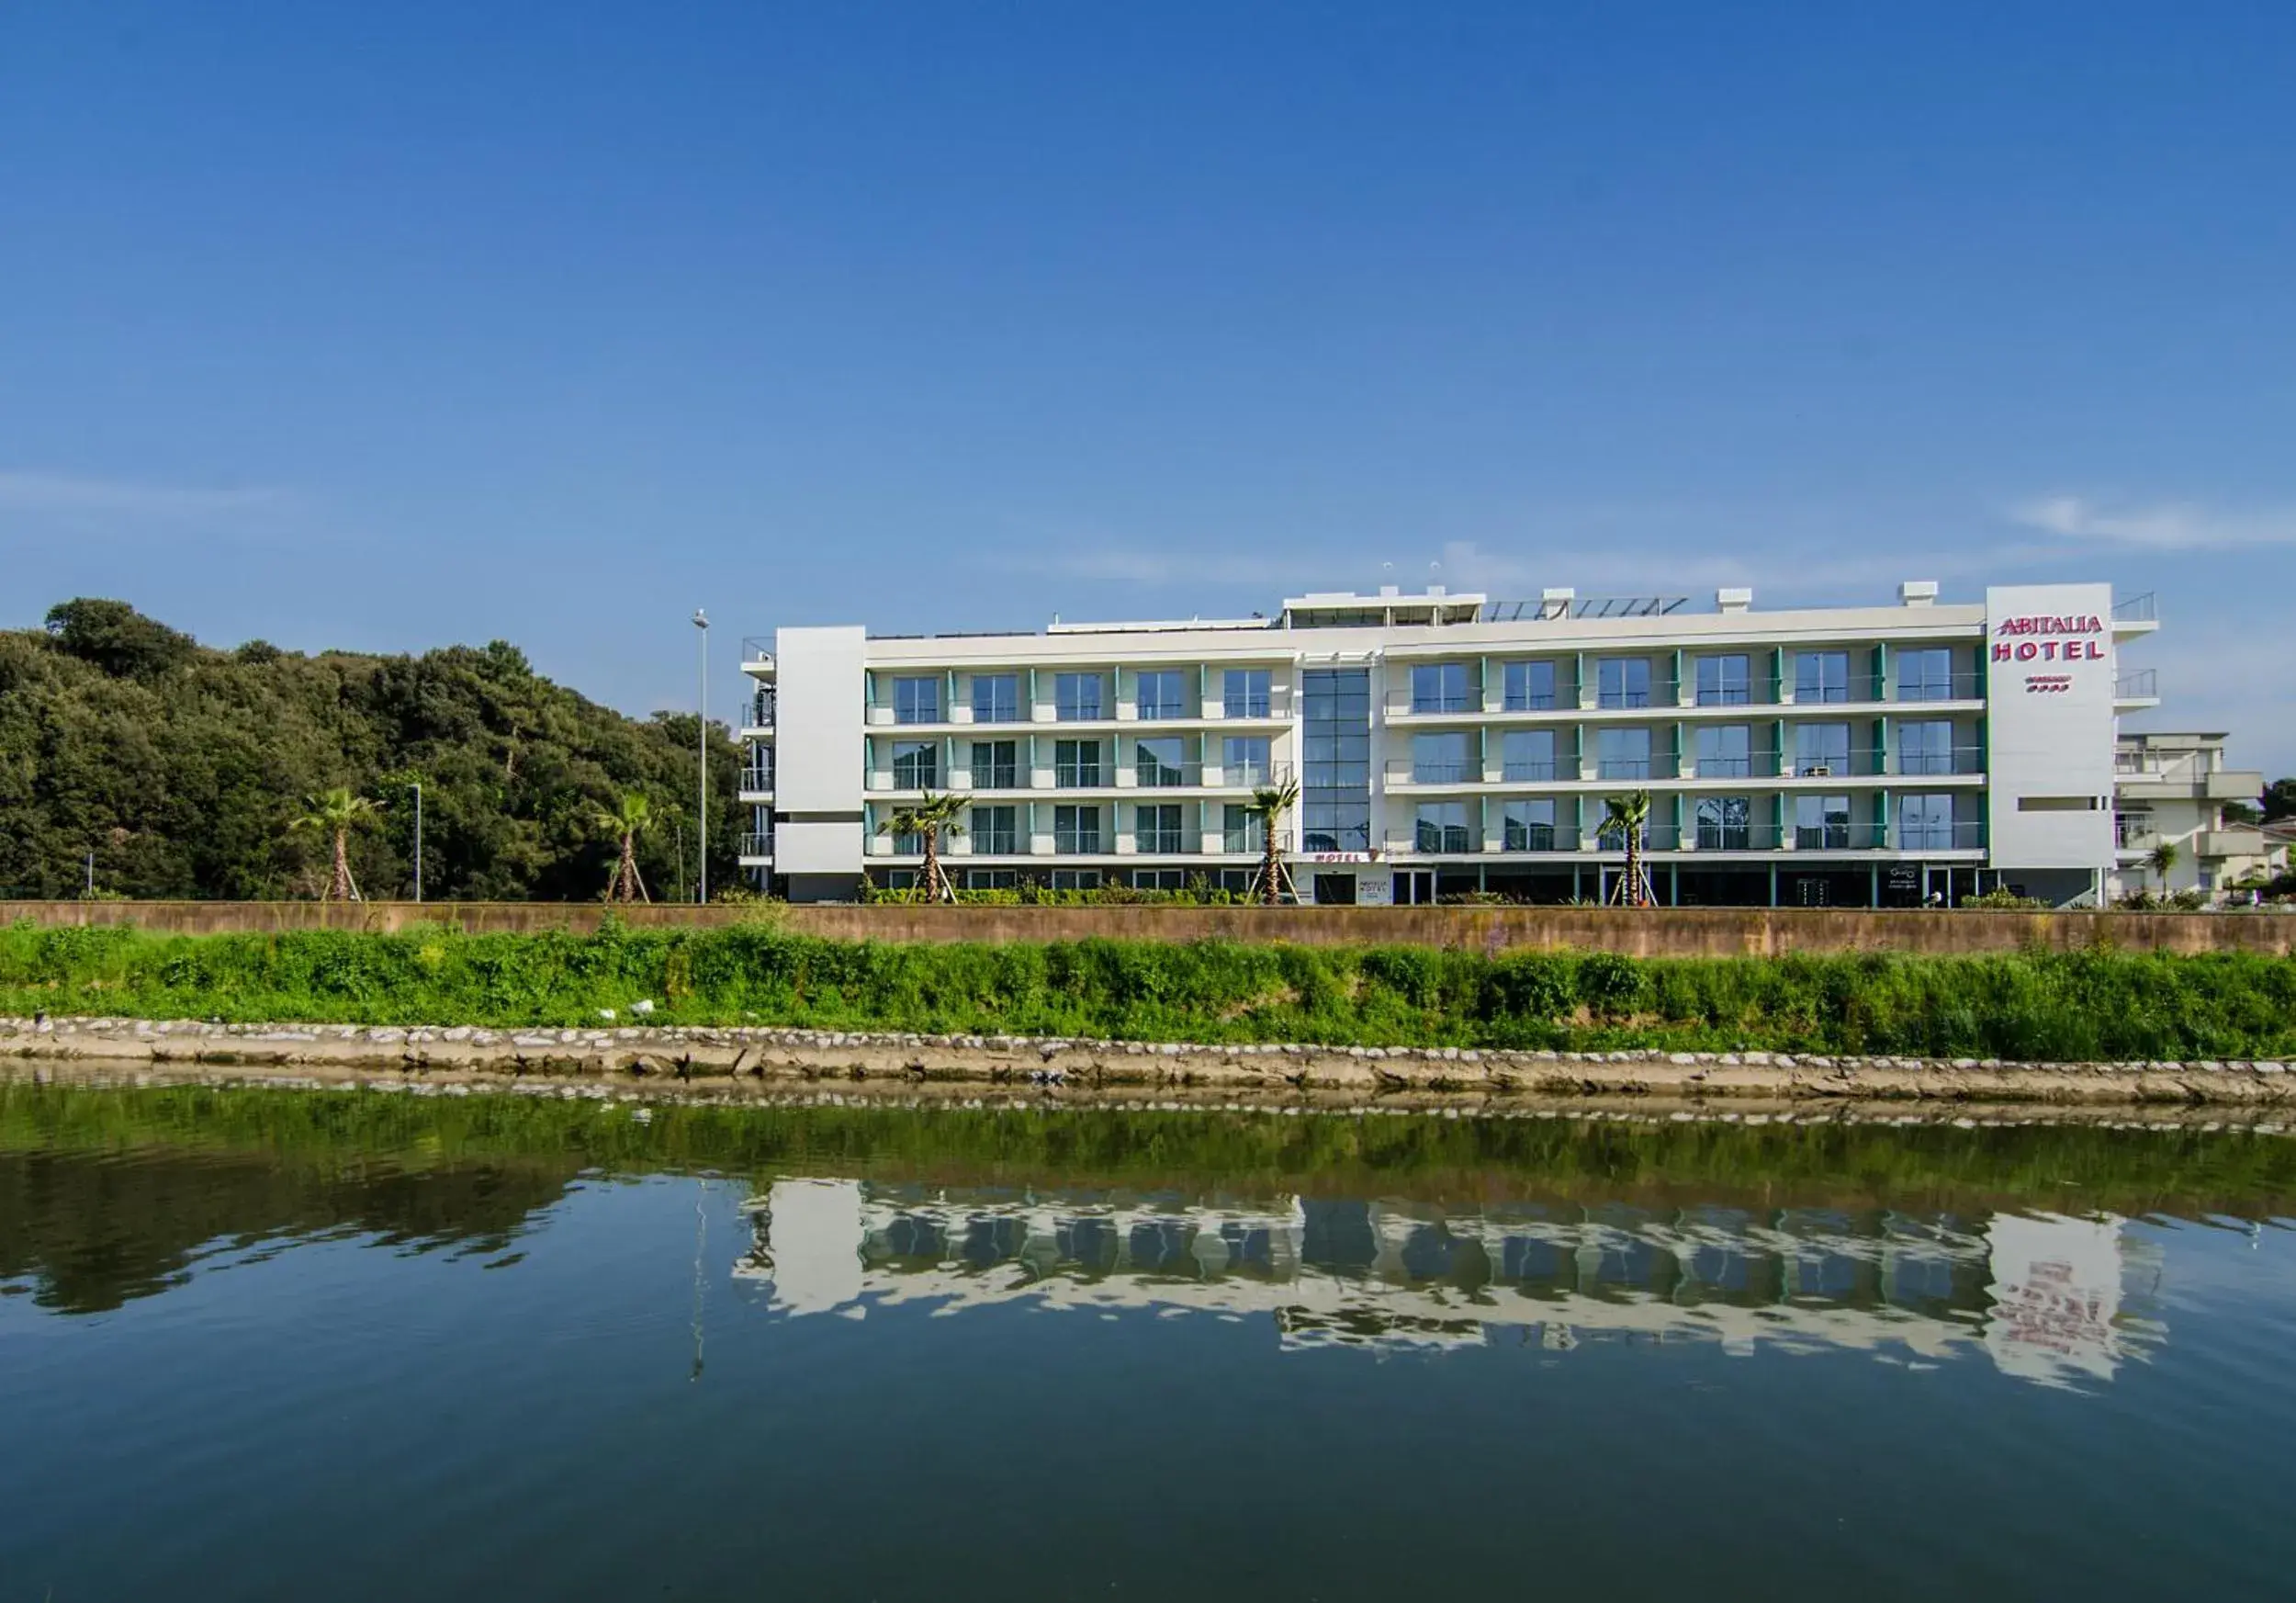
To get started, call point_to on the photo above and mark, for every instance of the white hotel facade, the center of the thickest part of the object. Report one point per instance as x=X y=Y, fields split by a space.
x=1839 y=756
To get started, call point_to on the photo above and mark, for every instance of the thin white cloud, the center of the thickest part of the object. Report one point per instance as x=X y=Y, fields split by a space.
x=31 y=491
x=2164 y=527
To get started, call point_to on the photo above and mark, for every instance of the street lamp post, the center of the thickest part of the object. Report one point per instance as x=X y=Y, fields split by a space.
x=702 y=754
x=418 y=842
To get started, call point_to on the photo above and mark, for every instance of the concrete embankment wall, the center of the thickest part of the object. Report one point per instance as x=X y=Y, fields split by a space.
x=756 y=1061
x=1647 y=933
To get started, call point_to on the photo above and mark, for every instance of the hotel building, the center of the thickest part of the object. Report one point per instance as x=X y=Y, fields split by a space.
x=1445 y=743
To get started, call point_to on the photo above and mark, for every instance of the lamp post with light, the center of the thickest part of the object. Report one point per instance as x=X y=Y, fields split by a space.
x=702 y=747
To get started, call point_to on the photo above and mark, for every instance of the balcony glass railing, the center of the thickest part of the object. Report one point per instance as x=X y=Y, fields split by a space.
x=1534 y=770
x=754 y=777
x=1439 y=773
x=1943 y=687
x=2137 y=609
x=1159 y=843
x=1634 y=768
x=1538 y=838
x=752 y=844
x=2141 y=686
x=1080 y=777
x=760 y=711
x=1168 y=776
x=1964 y=835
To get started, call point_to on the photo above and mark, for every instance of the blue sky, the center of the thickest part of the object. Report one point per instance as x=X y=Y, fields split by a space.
x=385 y=326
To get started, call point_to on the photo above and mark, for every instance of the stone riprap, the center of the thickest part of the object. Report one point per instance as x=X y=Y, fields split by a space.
x=759 y=1058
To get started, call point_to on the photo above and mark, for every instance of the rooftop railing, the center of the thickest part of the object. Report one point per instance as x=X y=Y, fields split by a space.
x=2141 y=686
x=2137 y=609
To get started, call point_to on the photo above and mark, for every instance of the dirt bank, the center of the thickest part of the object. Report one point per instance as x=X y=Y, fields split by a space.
x=753 y=1062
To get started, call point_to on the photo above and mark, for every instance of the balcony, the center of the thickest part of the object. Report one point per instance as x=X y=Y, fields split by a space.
x=758 y=713
x=2137 y=609
x=756 y=780
x=1160 y=843
x=1080 y=777
x=1943 y=687
x=1538 y=838
x=1633 y=770
x=752 y=847
x=1168 y=776
x=2139 y=689
x=1410 y=771
x=1539 y=770
x=756 y=654
x=1963 y=835
x=1655 y=838
x=2234 y=841
x=1727 y=837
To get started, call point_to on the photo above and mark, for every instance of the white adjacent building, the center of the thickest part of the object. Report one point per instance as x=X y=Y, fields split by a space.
x=1445 y=743
x=2172 y=789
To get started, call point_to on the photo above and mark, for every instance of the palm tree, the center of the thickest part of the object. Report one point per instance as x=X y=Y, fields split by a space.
x=631 y=815
x=1269 y=803
x=1627 y=814
x=2161 y=859
x=337 y=813
x=929 y=818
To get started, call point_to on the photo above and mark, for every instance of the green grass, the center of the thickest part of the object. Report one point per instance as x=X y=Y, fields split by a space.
x=2034 y=1007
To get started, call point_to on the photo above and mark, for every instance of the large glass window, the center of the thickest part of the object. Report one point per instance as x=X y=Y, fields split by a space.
x=1076 y=763
x=1160 y=761
x=1821 y=749
x=1241 y=828
x=916 y=700
x=915 y=764
x=1159 y=696
x=1623 y=682
x=1726 y=752
x=996 y=765
x=1529 y=754
x=1821 y=823
x=1077 y=829
x=1725 y=681
x=1441 y=759
x=1243 y=760
x=1075 y=879
x=1623 y=754
x=1530 y=686
x=1821 y=676
x=992 y=879
x=996 y=698
x=1243 y=693
x=996 y=831
x=1336 y=766
x=1159 y=878
x=1077 y=697
x=1925 y=823
x=1529 y=825
x=1157 y=829
x=1725 y=823
x=1926 y=675
x=1442 y=827
x=1925 y=745
x=1438 y=687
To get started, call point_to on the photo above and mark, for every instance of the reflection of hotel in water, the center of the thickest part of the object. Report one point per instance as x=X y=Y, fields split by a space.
x=2048 y=1299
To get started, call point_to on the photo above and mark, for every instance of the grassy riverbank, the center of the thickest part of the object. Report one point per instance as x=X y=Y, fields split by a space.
x=2037 y=1007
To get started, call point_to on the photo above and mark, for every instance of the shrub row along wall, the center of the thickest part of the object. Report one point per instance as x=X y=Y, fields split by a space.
x=1646 y=933
x=2082 y=1006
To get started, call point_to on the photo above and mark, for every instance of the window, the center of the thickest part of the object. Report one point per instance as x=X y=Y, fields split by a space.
x=1528 y=754
x=1077 y=829
x=1077 y=697
x=1623 y=682
x=995 y=831
x=1241 y=881
x=1335 y=766
x=1724 y=681
x=1724 y=822
x=996 y=698
x=1726 y=752
x=1926 y=746
x=1242 y=829
x=1160 y=761
x=1157 y=829
x=1438 y=687
x=1530 y=686
x=903 y=879
x=1821 y=823
x=1159 y=695
x=1442 y=827
x=1076 y=763
x=1925 y=823
x=992 y=879
x=1159 y=879
x=915 y=764
x=1440 y=760
x=1075 y=879
x=1243 y=760
x=1244 y=692
x=2134 y=828
x=1623 y=754
x=1821 y=676
x=1528 y=825
x=1821 y=749
x=916 y=700
x=1926 y=675
x=996 y=765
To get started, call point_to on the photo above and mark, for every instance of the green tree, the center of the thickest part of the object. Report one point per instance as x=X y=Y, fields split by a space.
x=1628 y=816
x=335 y=813
x=1269 y=803
x=929 y=818
x=2278 y=801
x=2161 y=859
x=630 y=817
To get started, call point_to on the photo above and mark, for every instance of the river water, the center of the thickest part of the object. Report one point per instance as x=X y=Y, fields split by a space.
x=278 y=1344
